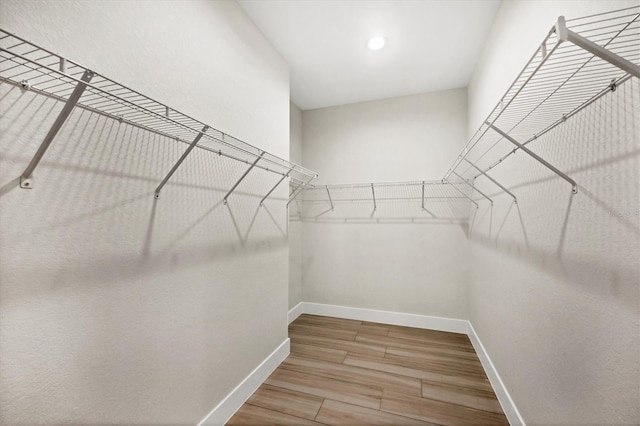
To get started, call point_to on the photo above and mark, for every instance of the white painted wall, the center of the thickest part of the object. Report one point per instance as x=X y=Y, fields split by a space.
x=115 y=309
x=295 y=226
x=554 y=295
x=397 y=266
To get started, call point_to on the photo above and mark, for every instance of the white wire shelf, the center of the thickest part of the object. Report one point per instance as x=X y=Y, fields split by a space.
x=578 y=62
x=37 y=69
x=411 y=200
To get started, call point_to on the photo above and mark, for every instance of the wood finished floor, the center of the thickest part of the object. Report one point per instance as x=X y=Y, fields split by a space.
x=347 y=372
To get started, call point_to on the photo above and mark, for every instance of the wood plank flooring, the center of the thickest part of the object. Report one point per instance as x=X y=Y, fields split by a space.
x=347 y=372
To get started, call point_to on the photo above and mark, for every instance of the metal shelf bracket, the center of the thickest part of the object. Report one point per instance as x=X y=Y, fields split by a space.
x=26 y=179
x=244 y=175
x=373 y=192
x=275 y=186
x=461 y=193
x=329 y=195
x=574 y=186
x=180 y=160
x=483 y=173
x=473 y=188
x=298 y=190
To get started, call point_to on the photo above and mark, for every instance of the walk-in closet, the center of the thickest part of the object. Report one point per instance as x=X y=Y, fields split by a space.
x=319 y=212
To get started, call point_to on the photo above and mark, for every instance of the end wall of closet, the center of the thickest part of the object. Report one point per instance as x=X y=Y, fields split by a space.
x=117 y=307
x=391 y=255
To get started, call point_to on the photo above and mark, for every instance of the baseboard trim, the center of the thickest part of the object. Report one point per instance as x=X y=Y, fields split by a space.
x=387 y=317
x=295 y=312
x=508 y=406
x=232 y=402
x=427 y=322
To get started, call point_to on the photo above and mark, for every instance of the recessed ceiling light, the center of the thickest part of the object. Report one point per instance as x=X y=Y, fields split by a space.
x=376 y=43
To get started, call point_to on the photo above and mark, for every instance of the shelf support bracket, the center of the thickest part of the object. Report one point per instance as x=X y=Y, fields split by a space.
x=423 y=207
x=244 y=175
x=462 y=193
x=26 y=179
x=473 y=188
x=483 y=173
x=566 y=34
x=375 y=206
x=574 y=186
x=180 y=160
x=329 y=195
x=298 y=190
x=275 y=186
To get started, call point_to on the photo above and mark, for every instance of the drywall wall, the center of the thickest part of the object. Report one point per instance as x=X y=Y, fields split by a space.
x=115 y=308
x=295 y=226
x=554 y=290
x=397 y=258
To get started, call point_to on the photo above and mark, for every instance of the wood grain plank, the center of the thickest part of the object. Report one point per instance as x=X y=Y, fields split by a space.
x=416 y=345
x=441 y=365
x=454 y=342
x=411 y=370
x=252 y=415
x=353 y=393
x=286 y=401
x=473 y=398
x=318 y=352
x=318 y=321
x=424 y=333
x=437 y=411
x=352 y=374
x=340 y=413
x=431 y=356
x=344 y=345
x=332 y=333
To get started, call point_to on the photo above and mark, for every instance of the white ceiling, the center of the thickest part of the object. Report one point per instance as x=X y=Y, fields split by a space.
x=431 y=45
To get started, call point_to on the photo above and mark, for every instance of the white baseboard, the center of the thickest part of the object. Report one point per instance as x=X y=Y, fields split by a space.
x=387 y=317
x=427 y=322
x=295 y=312
x=232 y=402
x=509 y=408
x=225 y=409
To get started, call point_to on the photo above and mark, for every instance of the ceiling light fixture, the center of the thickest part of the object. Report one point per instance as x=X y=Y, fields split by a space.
x=376 y=43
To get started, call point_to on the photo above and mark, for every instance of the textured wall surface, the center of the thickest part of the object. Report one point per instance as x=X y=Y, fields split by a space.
x=554 y=289
x=295 y=226
x=381 y=262
x=116 y=309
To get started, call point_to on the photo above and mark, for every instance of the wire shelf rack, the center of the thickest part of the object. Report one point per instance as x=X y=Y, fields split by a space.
x=578 y=62
x=388 y=200
x=35 y=68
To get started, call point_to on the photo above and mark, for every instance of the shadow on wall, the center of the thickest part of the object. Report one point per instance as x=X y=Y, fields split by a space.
x=590 y=239
x=92 y=217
